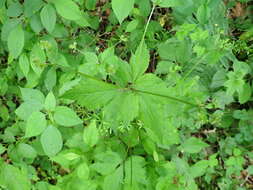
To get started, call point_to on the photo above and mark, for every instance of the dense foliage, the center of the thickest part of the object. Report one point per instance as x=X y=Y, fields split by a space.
x=126 y=95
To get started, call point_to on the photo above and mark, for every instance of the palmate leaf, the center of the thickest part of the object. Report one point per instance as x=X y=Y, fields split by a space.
x=145 y=100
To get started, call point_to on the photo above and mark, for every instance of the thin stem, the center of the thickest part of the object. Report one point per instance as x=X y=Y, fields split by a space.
x=146 y=27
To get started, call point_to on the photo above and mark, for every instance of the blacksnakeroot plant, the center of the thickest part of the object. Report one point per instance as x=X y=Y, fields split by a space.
x=125 y=95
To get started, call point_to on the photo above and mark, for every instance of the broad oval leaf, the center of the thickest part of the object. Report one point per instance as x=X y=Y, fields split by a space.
x=13 y=178
x=32 y=6
x=48 y=17
x=24 y=64
x=51 y=141
x=35 y=124
x=66 y=117
x=14 y=10
x=37 y=59
x=16 y=41
x=122 y=8
x=32 y=95
x=91 y=135
x=68 y=9
x=50 y=102
x=26 y=151
x=193 y=145
x=83 y=171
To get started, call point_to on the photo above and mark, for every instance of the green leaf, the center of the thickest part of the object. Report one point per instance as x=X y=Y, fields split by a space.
x=7 y=27
x=131 y=139
x=139 y=61
x=199 y=168
x=114 y=180
x=122 y=8
x=193 y=145
x=245 y=94
x=218 y=79
x=92 y=93
x=91 y=57
x=35 y=124
x=182 y=55
x=235 y=83
x=26 y=151
x=24 y=64
x=152 y=84
x=123 y=74
x=48 y=17
x=14 y=10
x=35 y=23
x=37 y=59
x=68 y=85
x=13 y=178
x=90 y=4
x=16 y=40
x=132 y=25
x=66 y=117
x=50 y=79
x=27 y=108
x=164 y=67
x=118 y=108
x=106 y=162
x=50 y=102
x=241 y=67
x=32 y=6
x=32 y=95
x=203 y=14
x=4 y=114
x=91 y=134
x=152 y=116
x=83 y=171
x=2 y=149
x=135 y=170
x=68 y=9
x=51 y=141
x=169 y=3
